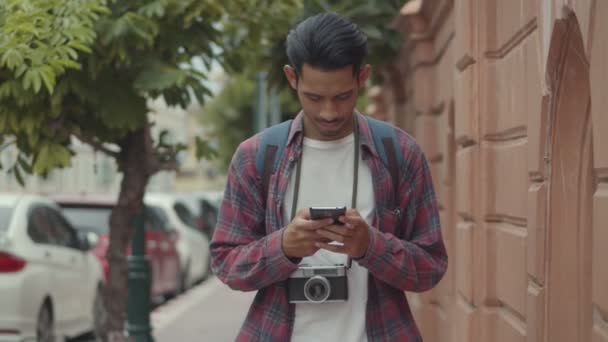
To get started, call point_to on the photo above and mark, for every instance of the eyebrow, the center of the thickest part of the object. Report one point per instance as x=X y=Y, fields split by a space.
x=349 y=92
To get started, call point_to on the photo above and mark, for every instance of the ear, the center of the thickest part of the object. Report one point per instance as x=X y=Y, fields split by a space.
x=290 y=73
x=364 y=74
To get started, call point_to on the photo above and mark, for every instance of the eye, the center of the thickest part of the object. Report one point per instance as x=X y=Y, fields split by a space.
x=314 y=98
x=344 y=97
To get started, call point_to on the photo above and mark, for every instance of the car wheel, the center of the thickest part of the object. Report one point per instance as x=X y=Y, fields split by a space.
x=100 y=316
x=45 y=327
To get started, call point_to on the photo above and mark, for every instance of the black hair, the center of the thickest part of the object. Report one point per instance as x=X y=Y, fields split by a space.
x=326 y=41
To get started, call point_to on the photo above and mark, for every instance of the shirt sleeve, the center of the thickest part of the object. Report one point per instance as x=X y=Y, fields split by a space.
x=417 y=260
x=243 y=255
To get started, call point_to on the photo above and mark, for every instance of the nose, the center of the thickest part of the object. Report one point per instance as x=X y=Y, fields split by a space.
x=329 y=112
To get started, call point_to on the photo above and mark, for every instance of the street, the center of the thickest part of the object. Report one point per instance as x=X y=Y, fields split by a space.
x=210 y=311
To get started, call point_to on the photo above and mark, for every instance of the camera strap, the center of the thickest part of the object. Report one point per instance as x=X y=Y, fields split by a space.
x=294 y=206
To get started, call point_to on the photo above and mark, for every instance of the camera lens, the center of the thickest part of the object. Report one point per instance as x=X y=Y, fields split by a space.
x=317 y=289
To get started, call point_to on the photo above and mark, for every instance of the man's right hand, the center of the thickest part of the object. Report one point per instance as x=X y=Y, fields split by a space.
x=300 y=236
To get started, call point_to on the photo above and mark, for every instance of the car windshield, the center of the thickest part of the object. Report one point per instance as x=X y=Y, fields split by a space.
x=5 y=217
x=89 y=219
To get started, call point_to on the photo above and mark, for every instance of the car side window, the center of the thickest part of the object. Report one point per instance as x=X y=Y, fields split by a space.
x=185 y=215
x=162 y=218
x=210 y=214
x=151 y=219
x=65 y=235
x=39 y=226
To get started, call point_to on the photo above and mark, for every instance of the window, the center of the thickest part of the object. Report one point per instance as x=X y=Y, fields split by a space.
x=210 y=214
x=162 y=217
x=5 y=217
x=47 y=226
x=153 y=220
x=185 y=215
x=64 y=234
x=39 y=226
x=89 y=218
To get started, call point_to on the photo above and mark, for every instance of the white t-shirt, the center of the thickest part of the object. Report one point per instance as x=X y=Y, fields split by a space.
x=327 y=180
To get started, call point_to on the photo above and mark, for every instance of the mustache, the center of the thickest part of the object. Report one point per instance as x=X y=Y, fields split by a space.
x=330 y=121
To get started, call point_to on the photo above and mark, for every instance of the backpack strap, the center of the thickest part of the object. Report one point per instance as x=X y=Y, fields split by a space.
x=274 y=139
x=389 y=150
x=270 y=151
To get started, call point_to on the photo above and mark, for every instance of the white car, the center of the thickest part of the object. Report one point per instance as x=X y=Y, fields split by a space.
x=192 y=245
x=50 y=285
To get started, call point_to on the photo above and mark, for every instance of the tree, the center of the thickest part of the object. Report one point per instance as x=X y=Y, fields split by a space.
x=84 y=69
x=229 y=114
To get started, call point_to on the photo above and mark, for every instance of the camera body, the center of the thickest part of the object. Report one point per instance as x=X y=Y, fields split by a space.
x=318 y=284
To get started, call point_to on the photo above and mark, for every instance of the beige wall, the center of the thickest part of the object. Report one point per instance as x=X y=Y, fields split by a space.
x=508 y=100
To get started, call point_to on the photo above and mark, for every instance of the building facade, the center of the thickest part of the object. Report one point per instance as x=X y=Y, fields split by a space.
x=508 y=100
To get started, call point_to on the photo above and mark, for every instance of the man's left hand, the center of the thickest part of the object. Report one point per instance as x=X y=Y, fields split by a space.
x=354 y=235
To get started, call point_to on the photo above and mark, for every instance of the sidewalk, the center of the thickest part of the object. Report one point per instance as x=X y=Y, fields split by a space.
x=209 y=312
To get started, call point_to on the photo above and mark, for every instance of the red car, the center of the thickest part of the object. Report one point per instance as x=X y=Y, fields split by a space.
x=92 y=215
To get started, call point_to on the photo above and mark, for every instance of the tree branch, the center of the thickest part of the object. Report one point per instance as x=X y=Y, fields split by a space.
x=168 y=167
x=97 y=145
x=164 y=161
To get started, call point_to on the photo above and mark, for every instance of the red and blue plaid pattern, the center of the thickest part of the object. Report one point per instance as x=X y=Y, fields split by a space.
x=406 y=251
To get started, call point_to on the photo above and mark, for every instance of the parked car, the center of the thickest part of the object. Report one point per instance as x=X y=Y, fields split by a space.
x=50 y=285
x=91 y=214
x=192 y=245
x=205 y=208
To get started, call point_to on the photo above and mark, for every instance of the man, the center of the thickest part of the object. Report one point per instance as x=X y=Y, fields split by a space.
x=391 y=233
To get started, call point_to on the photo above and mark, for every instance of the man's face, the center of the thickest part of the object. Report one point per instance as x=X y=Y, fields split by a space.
x=328 y=99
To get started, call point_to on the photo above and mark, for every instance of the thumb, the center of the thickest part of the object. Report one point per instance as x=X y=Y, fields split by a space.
x=303 y=213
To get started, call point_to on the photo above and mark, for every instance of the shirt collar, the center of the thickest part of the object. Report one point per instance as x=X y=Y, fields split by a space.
x=365 y=137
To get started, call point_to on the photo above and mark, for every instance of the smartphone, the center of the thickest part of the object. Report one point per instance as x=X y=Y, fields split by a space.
x=319 y=213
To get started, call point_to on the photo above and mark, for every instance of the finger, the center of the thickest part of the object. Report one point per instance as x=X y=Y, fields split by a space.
x=312 y=236
x=331 y=248
x=331 y=235
x=304 y=213
x=352 y=221
x=339 y=229
x=352 y=212
x=345 y=224
x=318 y=238
x=316 y=224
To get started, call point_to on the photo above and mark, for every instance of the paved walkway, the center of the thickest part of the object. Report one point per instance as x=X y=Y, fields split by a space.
x=208 y=312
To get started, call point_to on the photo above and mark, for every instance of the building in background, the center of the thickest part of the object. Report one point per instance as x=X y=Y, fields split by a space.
x=90 y=172
x=508 y=100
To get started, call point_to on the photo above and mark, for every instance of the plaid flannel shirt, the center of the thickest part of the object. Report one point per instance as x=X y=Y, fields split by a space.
x=406 y=251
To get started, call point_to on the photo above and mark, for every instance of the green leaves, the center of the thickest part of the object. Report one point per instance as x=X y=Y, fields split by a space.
x=51 y=156
x=154 y=9
x=158 y=76
x=87 y=67
x=12 y=58
x=39 y=38
x=205 y=150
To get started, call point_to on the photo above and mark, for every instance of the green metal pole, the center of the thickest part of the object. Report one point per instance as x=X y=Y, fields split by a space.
x=138 y=302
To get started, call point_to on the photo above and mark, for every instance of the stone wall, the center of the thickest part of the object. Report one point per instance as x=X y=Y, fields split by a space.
x=508 y=100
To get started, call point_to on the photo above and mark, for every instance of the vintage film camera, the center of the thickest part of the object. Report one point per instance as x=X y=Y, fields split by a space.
x=318 y=284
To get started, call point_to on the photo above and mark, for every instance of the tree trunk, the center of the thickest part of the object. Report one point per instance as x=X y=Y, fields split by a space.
x=133 y=162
